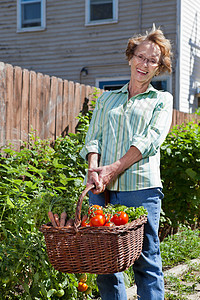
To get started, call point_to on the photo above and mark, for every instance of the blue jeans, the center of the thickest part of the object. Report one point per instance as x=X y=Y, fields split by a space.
x=148 y=268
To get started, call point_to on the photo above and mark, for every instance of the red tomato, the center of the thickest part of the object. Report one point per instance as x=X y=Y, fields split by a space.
x=95 y=210
x=109 y=224
x=85 y=223
x=98 y=220
x=120 y=218
x=108 y=218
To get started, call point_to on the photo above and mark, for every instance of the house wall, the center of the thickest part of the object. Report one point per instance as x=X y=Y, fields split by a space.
x=67 y=44
x=190 y=55
x=45 y=106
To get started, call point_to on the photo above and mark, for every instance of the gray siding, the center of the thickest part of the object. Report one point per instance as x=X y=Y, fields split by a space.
x=190 y=54
x=67 y=44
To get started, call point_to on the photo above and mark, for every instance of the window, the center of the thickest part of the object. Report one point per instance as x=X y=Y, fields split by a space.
x=101 y=11
x=162 y=82
x=111 y=85
x=31 y=15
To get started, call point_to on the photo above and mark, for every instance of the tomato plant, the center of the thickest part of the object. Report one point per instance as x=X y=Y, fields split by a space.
x=82 y=286
x=35 y=180
x=83 y=277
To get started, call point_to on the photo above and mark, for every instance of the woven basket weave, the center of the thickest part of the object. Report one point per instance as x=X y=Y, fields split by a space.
x=98 y=250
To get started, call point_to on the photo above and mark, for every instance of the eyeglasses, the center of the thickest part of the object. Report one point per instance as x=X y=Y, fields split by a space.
x=150 y=61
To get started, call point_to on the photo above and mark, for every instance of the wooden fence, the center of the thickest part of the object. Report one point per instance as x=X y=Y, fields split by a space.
x=48 y=105
x=33 y=101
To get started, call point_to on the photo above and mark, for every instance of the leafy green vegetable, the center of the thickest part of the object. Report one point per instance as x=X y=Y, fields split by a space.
x=133 y=212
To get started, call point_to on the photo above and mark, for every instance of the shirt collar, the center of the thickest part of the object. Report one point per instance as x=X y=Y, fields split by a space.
x=124 y=89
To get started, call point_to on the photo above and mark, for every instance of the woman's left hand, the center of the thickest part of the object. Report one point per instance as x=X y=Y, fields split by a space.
x=106 y=174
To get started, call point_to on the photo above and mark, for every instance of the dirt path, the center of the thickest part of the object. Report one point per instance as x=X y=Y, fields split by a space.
x=182 y=281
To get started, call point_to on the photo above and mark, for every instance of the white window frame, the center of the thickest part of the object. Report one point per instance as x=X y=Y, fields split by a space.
x=43 y=16
x=108 y=80
x=88 y=22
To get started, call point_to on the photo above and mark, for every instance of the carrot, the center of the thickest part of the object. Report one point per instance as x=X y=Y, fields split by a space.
x=56 y=217
x=63 y=218
x=69 y=223
x=51 y=217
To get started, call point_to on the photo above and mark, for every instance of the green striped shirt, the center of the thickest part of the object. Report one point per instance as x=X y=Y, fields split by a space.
x=117 y=124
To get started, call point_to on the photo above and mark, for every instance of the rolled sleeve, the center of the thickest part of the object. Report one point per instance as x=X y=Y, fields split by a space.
x=92 y=146
x=150 y=140
x=93 y=140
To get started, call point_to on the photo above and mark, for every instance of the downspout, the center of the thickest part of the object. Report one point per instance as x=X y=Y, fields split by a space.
x=140 y=16
x=178 y=55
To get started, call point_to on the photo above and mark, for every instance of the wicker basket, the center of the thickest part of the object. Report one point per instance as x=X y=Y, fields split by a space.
x=98 y=250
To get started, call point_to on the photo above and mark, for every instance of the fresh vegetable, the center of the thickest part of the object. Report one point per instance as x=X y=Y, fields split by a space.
x=69 y=223
x=85 y=221
x=95 y=210
x=120 y=218
x=98 y=220
x=82 y=286
x=51 y=217
x=112 y=215
x=132 y=212
x=63 y=218
x=56 y=217
x=83 y=277
x=108 y=216
x=60 y=293
x=56 y=222
x=109 y=224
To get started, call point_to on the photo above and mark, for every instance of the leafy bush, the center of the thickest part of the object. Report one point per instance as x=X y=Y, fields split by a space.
x=180 y=170
x=33 y=181
x=43 y=177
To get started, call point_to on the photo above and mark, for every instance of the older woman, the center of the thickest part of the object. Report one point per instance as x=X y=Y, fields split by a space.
x=123 y=151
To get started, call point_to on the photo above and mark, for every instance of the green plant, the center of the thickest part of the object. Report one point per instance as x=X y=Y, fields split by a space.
x=183 y=286
x=169 y=296
x=197 y=112
x=180 y=247
x=44 y=177
x=180 y=170
x=177 y=249
x=192 y=274
x=38 y=178
x=177 y=285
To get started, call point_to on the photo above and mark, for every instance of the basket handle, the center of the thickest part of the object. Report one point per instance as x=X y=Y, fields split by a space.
x=79 y=205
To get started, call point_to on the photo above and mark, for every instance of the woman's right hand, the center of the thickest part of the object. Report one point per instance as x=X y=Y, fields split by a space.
x=93 y=178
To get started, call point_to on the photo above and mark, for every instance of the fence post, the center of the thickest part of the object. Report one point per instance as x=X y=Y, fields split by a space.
x=25 y=105
x=2 y=105
x=17 y=108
